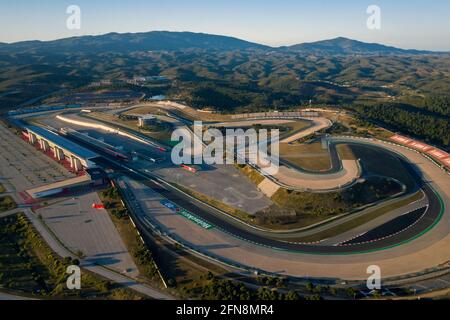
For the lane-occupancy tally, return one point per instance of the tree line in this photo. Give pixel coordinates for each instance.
(409, 121)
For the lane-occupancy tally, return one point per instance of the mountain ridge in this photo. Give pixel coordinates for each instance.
(342, 45)
(143, 41)
(175, 41)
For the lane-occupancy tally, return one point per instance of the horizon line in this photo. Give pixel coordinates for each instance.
(221, 35)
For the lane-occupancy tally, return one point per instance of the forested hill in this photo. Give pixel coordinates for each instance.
(342, 45)
(176, 41)
(131, 42)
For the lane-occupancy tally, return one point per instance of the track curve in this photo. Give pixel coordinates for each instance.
(427, 222)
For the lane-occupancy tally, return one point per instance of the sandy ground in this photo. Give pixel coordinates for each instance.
(268, 187)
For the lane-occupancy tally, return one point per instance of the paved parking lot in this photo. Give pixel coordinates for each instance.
(222, 182)
(25, 167)
(80, 227)
(72, 220)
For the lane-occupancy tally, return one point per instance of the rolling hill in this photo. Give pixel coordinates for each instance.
(130, 42)
(343, 45)
(180, 41)
(228, 74)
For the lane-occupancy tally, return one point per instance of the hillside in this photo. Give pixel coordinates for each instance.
(348, 46)
(235, 75)
(129, 42)
(180, 41)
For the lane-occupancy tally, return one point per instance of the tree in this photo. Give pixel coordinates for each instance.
(266, 294)
(332, 291)
(291, 295)
(310, 286)
(351, 292)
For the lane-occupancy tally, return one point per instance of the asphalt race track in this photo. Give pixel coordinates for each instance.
(401, 232)
(390, 228)
(243, 232)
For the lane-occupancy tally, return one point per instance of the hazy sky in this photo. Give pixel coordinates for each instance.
(419, 24)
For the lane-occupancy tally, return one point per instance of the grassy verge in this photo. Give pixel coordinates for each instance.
(285, 129)
(195, 278)
(184, 273)
(311, 156)
(331, 232)
(162, 131)
(293, 128)
(293, 210)
(187, 275)
(7, 203)
(28, 266)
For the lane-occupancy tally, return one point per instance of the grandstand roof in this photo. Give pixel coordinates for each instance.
(62, 142)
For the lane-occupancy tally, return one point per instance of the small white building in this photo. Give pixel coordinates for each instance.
(146, 120)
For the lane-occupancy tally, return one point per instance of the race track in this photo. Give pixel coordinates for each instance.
(417, 240)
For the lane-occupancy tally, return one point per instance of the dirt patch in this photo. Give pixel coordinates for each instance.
(251, 173)
(310, 156)
(268, 187)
